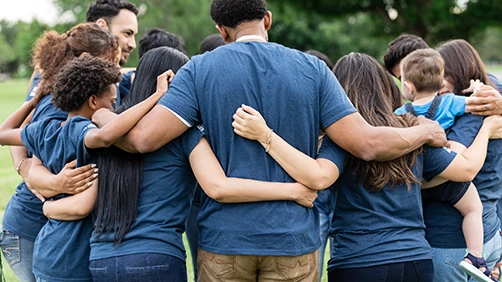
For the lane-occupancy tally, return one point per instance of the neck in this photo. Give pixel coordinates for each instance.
(83, 112)
(423, 98)
(251, 29)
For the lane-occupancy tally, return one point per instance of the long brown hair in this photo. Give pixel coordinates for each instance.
(52, 51)
(369, 88)
(462, 63)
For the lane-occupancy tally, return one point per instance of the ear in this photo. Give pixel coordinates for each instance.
(102, 23)
(92, 102)
(224, 33)
(267, 20)
(410, 86)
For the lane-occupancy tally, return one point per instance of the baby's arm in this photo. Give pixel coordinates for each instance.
(316, 174)
(221, 188)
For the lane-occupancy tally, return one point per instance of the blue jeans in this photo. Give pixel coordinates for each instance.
(138, 267)
(446, 260)
(18, 253)
(325, 223)
(412, 271)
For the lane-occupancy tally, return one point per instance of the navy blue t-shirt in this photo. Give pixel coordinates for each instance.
(297, 95)
(23, 215)
(32, 91)
(163, 205)
(375, 228)
(124, 87)
(61, 251)
(443, 221)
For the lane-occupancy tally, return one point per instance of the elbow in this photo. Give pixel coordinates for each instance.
(320, 183)
(366, 153)
(216, 191)
(145, 147)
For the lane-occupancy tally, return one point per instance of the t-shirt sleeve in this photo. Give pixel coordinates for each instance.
(33, 87)
(334, 103)
(181, 96)
(79, 129)
(465, 129)
(191, 138)
(457, 106)
(401, 110)
(496, 81)
(30, 135)
(332, 152)
(436, 160)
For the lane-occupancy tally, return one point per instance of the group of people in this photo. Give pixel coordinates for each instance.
(260, 152)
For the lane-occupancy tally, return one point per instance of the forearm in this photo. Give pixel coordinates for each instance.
(10, 134)
(123, 123)
(73, 207)
(315, 174)
(18, 154)
(42, 180)
(238, 190)
(475, 155)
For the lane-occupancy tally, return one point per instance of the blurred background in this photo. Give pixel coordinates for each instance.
(334, 27)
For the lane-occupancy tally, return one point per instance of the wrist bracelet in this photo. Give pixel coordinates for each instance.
(269, 138)
(19, 165)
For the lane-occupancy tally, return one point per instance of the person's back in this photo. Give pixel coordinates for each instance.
(286, 86)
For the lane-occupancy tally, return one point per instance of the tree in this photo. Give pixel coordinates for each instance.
(434, 20)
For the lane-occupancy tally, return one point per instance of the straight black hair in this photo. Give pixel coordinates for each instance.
(120, 173)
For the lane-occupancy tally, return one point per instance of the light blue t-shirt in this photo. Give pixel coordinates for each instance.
(163, 205)
(450, 107)
(61, 251)
(297, 95)
(23, 215)
(375, 228)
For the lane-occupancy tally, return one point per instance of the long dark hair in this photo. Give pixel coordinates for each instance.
(120, 173)
(461, 64)
(369, 88)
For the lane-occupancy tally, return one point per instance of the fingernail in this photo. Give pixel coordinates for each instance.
(96, 169)
(95, 175)
(89, 184)
(93, 165)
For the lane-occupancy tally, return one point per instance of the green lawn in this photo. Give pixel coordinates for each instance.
(12, 94)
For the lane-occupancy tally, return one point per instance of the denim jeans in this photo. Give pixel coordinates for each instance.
(18, 253)
(138, 267)
(247, 268)
(325, 222)
(412, 271)
(446, 261)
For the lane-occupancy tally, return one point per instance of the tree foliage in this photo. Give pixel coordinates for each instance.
(334, 27)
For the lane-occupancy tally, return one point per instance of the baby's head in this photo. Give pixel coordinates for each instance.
(422, 71)
(87, 81)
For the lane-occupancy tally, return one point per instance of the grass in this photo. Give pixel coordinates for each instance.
(12, 94)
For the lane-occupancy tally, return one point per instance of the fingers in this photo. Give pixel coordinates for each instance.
(249, 109)
(71, 164)
(242, 114)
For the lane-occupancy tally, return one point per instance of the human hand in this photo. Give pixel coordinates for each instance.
(496, 270)
(494, 125)
(475, 85)
(71, 180)
(437, 136)
(485, 101)
(163, 81)
(305, 196)
(249, 124)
